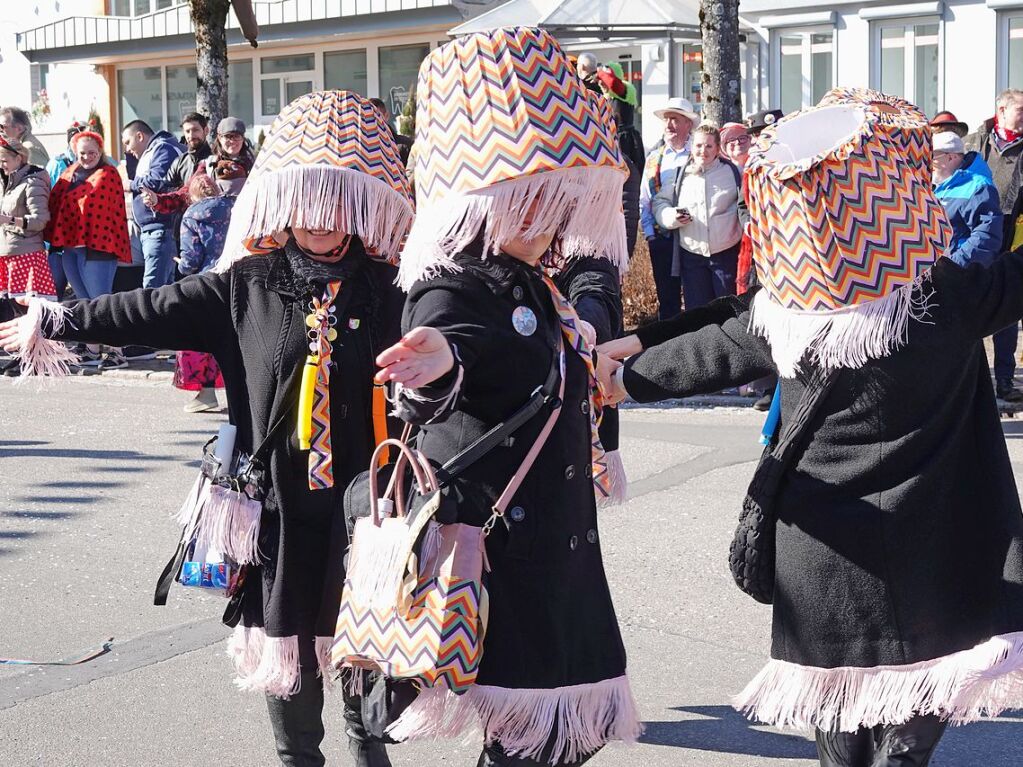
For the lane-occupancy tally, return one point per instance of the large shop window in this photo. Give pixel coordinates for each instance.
(399, 70)
(805, 66)
(910, 63)
(1014, 49)
(181, 99)
(345, 71)
(140, 96)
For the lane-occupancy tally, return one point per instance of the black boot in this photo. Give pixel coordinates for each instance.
(298, 724)
(910, 744)
(494, 756)
(366, 750)
(1007, 391)
(845, 749)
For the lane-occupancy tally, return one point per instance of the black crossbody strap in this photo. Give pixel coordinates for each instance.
(499, 433)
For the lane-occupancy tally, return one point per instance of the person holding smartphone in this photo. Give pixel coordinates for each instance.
(705, 211)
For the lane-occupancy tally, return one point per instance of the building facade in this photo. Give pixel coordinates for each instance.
(131, 59)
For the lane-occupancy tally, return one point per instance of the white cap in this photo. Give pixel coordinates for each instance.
(947, 142)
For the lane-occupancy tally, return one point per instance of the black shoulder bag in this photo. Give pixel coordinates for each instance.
(751, 556)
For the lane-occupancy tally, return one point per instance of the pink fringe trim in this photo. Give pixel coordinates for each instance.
(618, 479)
(961, 687)
(324, 668)
(265, 664)
(40, 356)
(229, 523)
(584, 716)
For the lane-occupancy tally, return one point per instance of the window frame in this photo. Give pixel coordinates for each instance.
(908, 24)
(1003, 41)
(806, 60)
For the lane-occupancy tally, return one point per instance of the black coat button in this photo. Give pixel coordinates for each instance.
(517, 513)
(569, 471)
(591, 536)
(584, 406)
(589, 470)
(517, 293)
(573, 542)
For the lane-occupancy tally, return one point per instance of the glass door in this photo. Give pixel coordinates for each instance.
(283, 79)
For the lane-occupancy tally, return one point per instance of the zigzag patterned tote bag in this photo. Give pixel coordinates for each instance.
(414, 605)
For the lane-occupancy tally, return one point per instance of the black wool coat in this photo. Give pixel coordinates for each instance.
(252, 320)
(552, 622)
(900, 537)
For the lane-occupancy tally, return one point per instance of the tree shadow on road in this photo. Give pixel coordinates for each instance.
(724, 730)
(32, 451)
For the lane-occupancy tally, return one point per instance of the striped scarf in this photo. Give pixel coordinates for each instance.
(577, 342)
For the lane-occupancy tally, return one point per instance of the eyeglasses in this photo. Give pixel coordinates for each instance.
(740, 141)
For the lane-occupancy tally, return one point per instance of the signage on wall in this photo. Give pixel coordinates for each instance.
(399, 96)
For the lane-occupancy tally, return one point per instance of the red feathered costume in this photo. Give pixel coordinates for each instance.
(90, 214)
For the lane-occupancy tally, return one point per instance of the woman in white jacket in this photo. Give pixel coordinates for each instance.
(704, 207)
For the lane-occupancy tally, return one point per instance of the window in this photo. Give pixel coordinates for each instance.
(181, 84)
(281, 64)
(39, 74)
(805, 67)
(140, 7)
(140, 96)
(345, 71)
(910, 63)
(399, 70)
(692, 74)
(1014, 48)
(239, 91)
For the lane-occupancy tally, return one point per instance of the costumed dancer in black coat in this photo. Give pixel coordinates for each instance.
(327, 201)
(898, 570)
(498, 181)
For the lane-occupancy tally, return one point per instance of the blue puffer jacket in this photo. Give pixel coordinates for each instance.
(971, 204)
(203, 232)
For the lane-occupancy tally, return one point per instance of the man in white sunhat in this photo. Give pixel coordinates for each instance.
(662, 164)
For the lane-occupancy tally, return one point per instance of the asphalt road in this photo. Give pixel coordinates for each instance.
(91, 470)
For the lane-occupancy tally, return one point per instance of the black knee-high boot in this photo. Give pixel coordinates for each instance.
(845, 749)
(909, 745)
(494, 756)
(891, 745)
(298, 724)
(367, 750)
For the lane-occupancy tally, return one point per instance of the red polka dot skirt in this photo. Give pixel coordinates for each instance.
(26, 275)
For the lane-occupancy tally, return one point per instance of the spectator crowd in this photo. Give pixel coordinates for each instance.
(65, 225)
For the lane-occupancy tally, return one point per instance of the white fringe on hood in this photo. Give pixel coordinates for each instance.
(317, 197)
(584, 205)
(843, 338)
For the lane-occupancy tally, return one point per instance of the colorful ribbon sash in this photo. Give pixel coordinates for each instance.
(314, 396)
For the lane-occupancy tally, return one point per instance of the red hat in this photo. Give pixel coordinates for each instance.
(949, 121)
(610, 82)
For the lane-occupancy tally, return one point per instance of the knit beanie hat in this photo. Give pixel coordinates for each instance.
(328, 162)
(503, 122)
(844, 225)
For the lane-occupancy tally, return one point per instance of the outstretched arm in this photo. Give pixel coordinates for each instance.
(191, 314)
(707, 360)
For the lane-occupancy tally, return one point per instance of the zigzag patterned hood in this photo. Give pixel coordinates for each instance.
(502, 122)
(844, 224)
(329, 162)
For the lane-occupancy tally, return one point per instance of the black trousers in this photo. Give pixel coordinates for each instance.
(903, 745)
(494, 756)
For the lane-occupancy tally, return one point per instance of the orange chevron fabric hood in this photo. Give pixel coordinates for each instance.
(328, 162)
(844, 224)
(503, 121)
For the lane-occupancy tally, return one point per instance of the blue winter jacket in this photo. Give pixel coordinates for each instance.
(972, 206)
(153, 172)
(203, 232)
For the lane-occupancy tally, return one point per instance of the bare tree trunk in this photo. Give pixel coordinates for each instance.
(719, 28)
(209, 17)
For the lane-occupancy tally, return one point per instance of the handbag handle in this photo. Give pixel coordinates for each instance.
(427, 482)
(404, 454)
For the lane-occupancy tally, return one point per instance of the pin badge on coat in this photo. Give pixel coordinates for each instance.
(524, 321)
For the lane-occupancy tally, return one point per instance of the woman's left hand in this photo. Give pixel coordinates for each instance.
(9, 340)
(420, 357)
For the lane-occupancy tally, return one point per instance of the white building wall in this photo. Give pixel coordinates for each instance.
(971, 58)
(72, 88)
